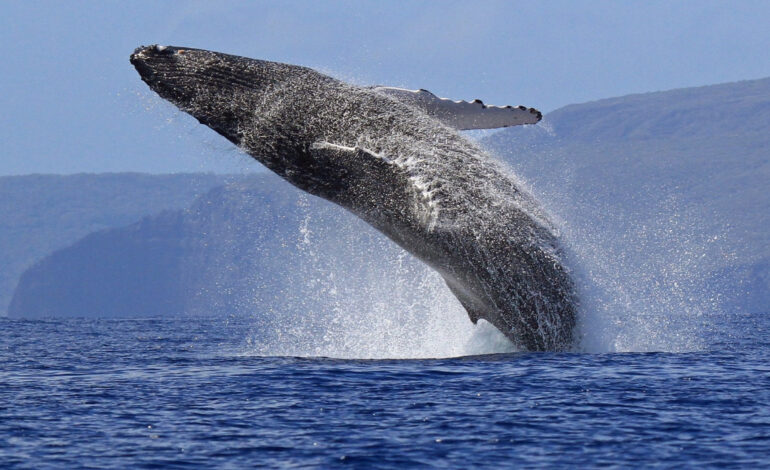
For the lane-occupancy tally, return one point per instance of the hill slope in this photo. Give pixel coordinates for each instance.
(43, 213)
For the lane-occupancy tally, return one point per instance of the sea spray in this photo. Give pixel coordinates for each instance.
(640, 279)
(365, 299)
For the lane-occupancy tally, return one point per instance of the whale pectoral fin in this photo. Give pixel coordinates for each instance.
(473, 307)
(464, 115)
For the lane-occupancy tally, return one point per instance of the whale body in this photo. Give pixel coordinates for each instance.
(399, 168)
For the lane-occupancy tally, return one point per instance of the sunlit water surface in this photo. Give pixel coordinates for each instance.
(193, 393)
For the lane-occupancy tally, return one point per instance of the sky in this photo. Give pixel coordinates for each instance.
(70, 101)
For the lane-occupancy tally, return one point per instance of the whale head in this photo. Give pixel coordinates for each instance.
(235, 96)
(188, 78)
(277, 113)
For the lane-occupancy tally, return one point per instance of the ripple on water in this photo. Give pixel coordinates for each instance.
(183, 393)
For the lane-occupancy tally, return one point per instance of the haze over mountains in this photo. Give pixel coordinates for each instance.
(238, 248)
(660, 192)
(44, 213)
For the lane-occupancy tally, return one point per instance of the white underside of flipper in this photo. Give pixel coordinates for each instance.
(464, 115)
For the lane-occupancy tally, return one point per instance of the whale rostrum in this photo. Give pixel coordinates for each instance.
(396, 160)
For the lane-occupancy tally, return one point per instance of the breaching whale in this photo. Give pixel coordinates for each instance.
(394, 158)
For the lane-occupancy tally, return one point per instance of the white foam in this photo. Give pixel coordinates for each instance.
(387, 306)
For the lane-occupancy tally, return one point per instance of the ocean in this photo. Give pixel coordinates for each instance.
(196, 393)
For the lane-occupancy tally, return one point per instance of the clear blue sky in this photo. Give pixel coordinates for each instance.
(71, 102)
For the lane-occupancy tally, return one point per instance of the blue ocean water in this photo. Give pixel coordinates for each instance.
(186, 393)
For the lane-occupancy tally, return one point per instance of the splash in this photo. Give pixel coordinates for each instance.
(390, 306)
(637, 287)
(640, 291)
(365, 298)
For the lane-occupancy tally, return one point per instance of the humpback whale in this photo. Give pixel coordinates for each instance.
(395, 159)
